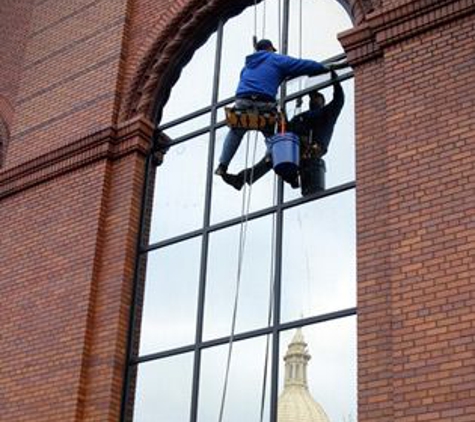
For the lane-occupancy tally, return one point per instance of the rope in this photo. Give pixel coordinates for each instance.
(279, 25)
(255, 19)
(264, 14)
(298, 101)
(245, 205)
(271, 305)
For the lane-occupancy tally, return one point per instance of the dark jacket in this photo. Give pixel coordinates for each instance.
(264, 72)
(319, 124)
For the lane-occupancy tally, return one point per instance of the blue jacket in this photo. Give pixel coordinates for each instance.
(264, 72)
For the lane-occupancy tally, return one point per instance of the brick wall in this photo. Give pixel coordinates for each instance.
(70, 72)
(415, 176)
(431, 208)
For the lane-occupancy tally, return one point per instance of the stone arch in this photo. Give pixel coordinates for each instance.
(172, 50)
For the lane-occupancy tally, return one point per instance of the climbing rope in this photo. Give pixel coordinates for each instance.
(255, 19)
(245, 206)
(299, 101)
(264, 14)
(271, 303)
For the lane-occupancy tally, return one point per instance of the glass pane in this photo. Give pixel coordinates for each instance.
(227, 201)
(222, 279)
(237, 46)
(245, 382)
(313, 30)
(163, 390)
(189, 126)
(319, 257)
(171, 290)
(340, 159)
(178, 203)
(330, 374)
(187, 95)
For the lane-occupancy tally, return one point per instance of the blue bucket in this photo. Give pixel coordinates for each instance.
(285, 152)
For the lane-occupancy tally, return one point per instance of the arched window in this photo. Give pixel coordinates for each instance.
(298, 253)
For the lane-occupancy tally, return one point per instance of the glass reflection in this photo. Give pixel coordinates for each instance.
(169, 309)
(313, 31)
(187, 95)
(226, 200)
(163, 391)
(178, 203)
(319, 257)
(245, 382)
(319, 374)
(340, 159)
(222, 277)
(189, 126)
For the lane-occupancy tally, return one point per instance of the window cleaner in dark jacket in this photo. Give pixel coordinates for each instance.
(314, 126)
(260, 78)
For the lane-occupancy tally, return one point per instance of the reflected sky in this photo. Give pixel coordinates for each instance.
(255, 279)
(319, 257)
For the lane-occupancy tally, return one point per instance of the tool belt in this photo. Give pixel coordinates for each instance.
(252, 115)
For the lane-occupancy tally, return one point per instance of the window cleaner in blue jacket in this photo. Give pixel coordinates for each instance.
(260, 78)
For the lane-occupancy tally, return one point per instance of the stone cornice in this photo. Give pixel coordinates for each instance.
(112, 143)
(388, 26)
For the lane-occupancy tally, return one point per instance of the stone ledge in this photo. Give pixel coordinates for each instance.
(389, 26)
(112, 143)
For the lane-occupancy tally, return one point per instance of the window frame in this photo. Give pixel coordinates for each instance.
(144, 247)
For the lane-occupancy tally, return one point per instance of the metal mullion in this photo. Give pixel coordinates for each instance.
(252, 216)
(186, 117)
(195, 114)
(229, 100)
(278, 247)
(322, 85)
(196, 133)
(206, 222)
(190, 135)
(221, 123)
(331, 316)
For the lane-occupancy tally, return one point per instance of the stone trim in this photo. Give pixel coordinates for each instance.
(389, 26)
(112, 143)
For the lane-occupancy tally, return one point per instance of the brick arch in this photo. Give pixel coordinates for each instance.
(6, 119)
(172, 50)
(4, 137)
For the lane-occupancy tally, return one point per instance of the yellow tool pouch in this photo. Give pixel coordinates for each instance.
(251, 119)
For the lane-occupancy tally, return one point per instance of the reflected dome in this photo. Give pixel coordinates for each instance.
(295, 402)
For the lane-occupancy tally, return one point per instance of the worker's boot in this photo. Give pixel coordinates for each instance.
(235, 180)
(260, 169)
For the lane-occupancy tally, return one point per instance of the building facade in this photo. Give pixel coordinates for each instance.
(82, 84)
